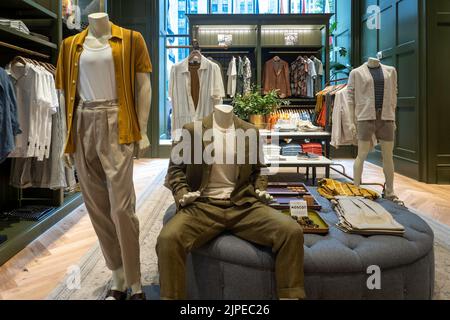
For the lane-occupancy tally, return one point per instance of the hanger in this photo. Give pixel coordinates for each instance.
(276, 59)
(195, 56)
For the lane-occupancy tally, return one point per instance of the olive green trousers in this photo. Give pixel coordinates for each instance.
(205, 219)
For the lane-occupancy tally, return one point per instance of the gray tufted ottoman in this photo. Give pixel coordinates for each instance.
(335, 265)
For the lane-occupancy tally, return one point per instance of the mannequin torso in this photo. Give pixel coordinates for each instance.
(99, 34)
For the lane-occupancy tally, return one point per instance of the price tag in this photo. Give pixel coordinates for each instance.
(299, 208)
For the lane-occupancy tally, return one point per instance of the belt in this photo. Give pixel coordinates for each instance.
(225, 203)
(97, 103)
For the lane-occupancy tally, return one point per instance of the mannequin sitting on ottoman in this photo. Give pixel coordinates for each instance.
(217, 196)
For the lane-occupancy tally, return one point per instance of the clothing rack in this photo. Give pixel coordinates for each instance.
(229, 52)
(336, 80)
(23, 50)
(294, 52)
(202, 47)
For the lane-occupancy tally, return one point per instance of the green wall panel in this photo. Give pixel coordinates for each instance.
(407, 21)
(438, 93)
(387, 39)
(398, 40)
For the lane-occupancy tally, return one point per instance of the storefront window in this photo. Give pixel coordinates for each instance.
(312, 6)
(177, 29)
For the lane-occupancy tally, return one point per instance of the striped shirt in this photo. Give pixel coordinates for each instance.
(378, 79)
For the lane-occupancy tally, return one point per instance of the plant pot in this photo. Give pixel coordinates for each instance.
(258, 120)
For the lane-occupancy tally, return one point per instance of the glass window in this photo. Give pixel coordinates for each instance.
(312, 6)
(267, 6)
(198, 6)
(221, 6)
(243, 6)
(177, 28)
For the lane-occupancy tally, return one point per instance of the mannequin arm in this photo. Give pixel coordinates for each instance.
(143, 103)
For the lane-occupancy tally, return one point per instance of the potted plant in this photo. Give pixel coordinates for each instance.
(255, 108)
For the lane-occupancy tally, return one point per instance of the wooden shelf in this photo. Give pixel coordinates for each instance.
(13, 36)
(25, 9)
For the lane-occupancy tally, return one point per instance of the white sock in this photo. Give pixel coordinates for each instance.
(136, 288)
(118, 280)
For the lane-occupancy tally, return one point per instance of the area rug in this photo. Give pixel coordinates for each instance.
(94, 278)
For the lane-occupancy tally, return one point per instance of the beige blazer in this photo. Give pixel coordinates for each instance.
(361, 94)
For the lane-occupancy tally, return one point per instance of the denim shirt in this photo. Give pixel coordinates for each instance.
(9, 125)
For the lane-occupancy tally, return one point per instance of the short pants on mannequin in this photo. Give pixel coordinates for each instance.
(105, 170)
(382, 129)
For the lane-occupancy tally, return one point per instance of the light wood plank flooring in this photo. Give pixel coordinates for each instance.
(37, 270)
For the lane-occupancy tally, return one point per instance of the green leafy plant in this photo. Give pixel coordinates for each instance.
(253, 103)
(337, 68)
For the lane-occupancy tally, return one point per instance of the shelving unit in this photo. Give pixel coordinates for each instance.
(263, 36)
(13, 36)
(20, 9)
(42, 17)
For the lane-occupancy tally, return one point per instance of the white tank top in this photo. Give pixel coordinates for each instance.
(97, 78)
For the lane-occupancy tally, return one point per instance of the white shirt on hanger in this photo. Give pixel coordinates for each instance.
(47, 107)
(341, 134)
(311, 76)
(211, 92)
(232, 78)
(25, 86)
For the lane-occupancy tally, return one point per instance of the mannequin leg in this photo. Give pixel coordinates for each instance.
(118, 280)
(387, 149)
(363, 152)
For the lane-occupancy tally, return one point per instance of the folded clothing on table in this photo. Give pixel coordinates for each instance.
(359, 215)
(271, 150)
(329, 188)
(290, 149)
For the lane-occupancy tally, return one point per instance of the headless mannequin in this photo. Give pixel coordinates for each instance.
(387, 149)
(223, 116)
(98, 36)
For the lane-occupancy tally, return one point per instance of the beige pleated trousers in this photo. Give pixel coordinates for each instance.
(105, 172)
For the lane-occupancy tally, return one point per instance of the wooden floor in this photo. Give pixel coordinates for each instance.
(37, 270)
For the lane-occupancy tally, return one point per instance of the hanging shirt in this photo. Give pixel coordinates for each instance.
(97, 77)
(276, 77)
(25, 82)
(247, 75)
(232, 78)
(310, 78)
(211, 91)
(319, 70)
(240, 77)
(299, 72)
(341, 134)
(9, 124)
